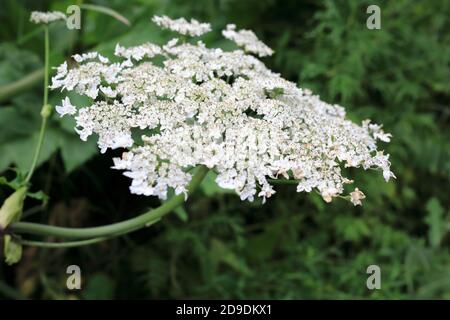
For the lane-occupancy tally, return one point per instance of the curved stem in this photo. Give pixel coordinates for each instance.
(68, 244)
(37, 150)
(78, 243)
(9, 90)
(112, 229)
(45, 112)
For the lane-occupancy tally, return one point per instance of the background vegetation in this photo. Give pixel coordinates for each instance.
(293, 247)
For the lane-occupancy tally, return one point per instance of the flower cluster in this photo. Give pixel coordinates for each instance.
(191, 28)
(247, 40)
(221, 109)
(46, 17)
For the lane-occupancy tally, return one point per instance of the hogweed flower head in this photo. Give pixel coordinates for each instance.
(46, 17)
(221, 109)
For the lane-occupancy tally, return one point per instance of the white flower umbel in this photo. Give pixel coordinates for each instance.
(46, 17)
(224, 110)
(191, 28)
(247, 40)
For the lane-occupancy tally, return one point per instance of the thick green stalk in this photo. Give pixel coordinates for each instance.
(77, 243)
(45, 111)
(57, 245)
(112, 229)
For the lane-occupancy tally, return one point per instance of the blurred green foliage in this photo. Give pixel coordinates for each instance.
(293, 247)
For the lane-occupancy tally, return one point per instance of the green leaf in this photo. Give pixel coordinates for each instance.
(75, 152)
(12, 207)
(221, 253)
(17, 182)
(17, 148)
(38, 195)
(5, 182)
(352, 228)
(15, 63)
(262, 246)
(12, 251)
(99, 287)
(18, 141)
(435, 221)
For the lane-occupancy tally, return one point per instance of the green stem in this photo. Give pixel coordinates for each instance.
(78, 243)
(112, 229)
(45, 111)
(38, 149)
(47, 63)
(68, 244)
(10, 90)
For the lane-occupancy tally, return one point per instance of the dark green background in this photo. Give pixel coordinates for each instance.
(293, 247)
